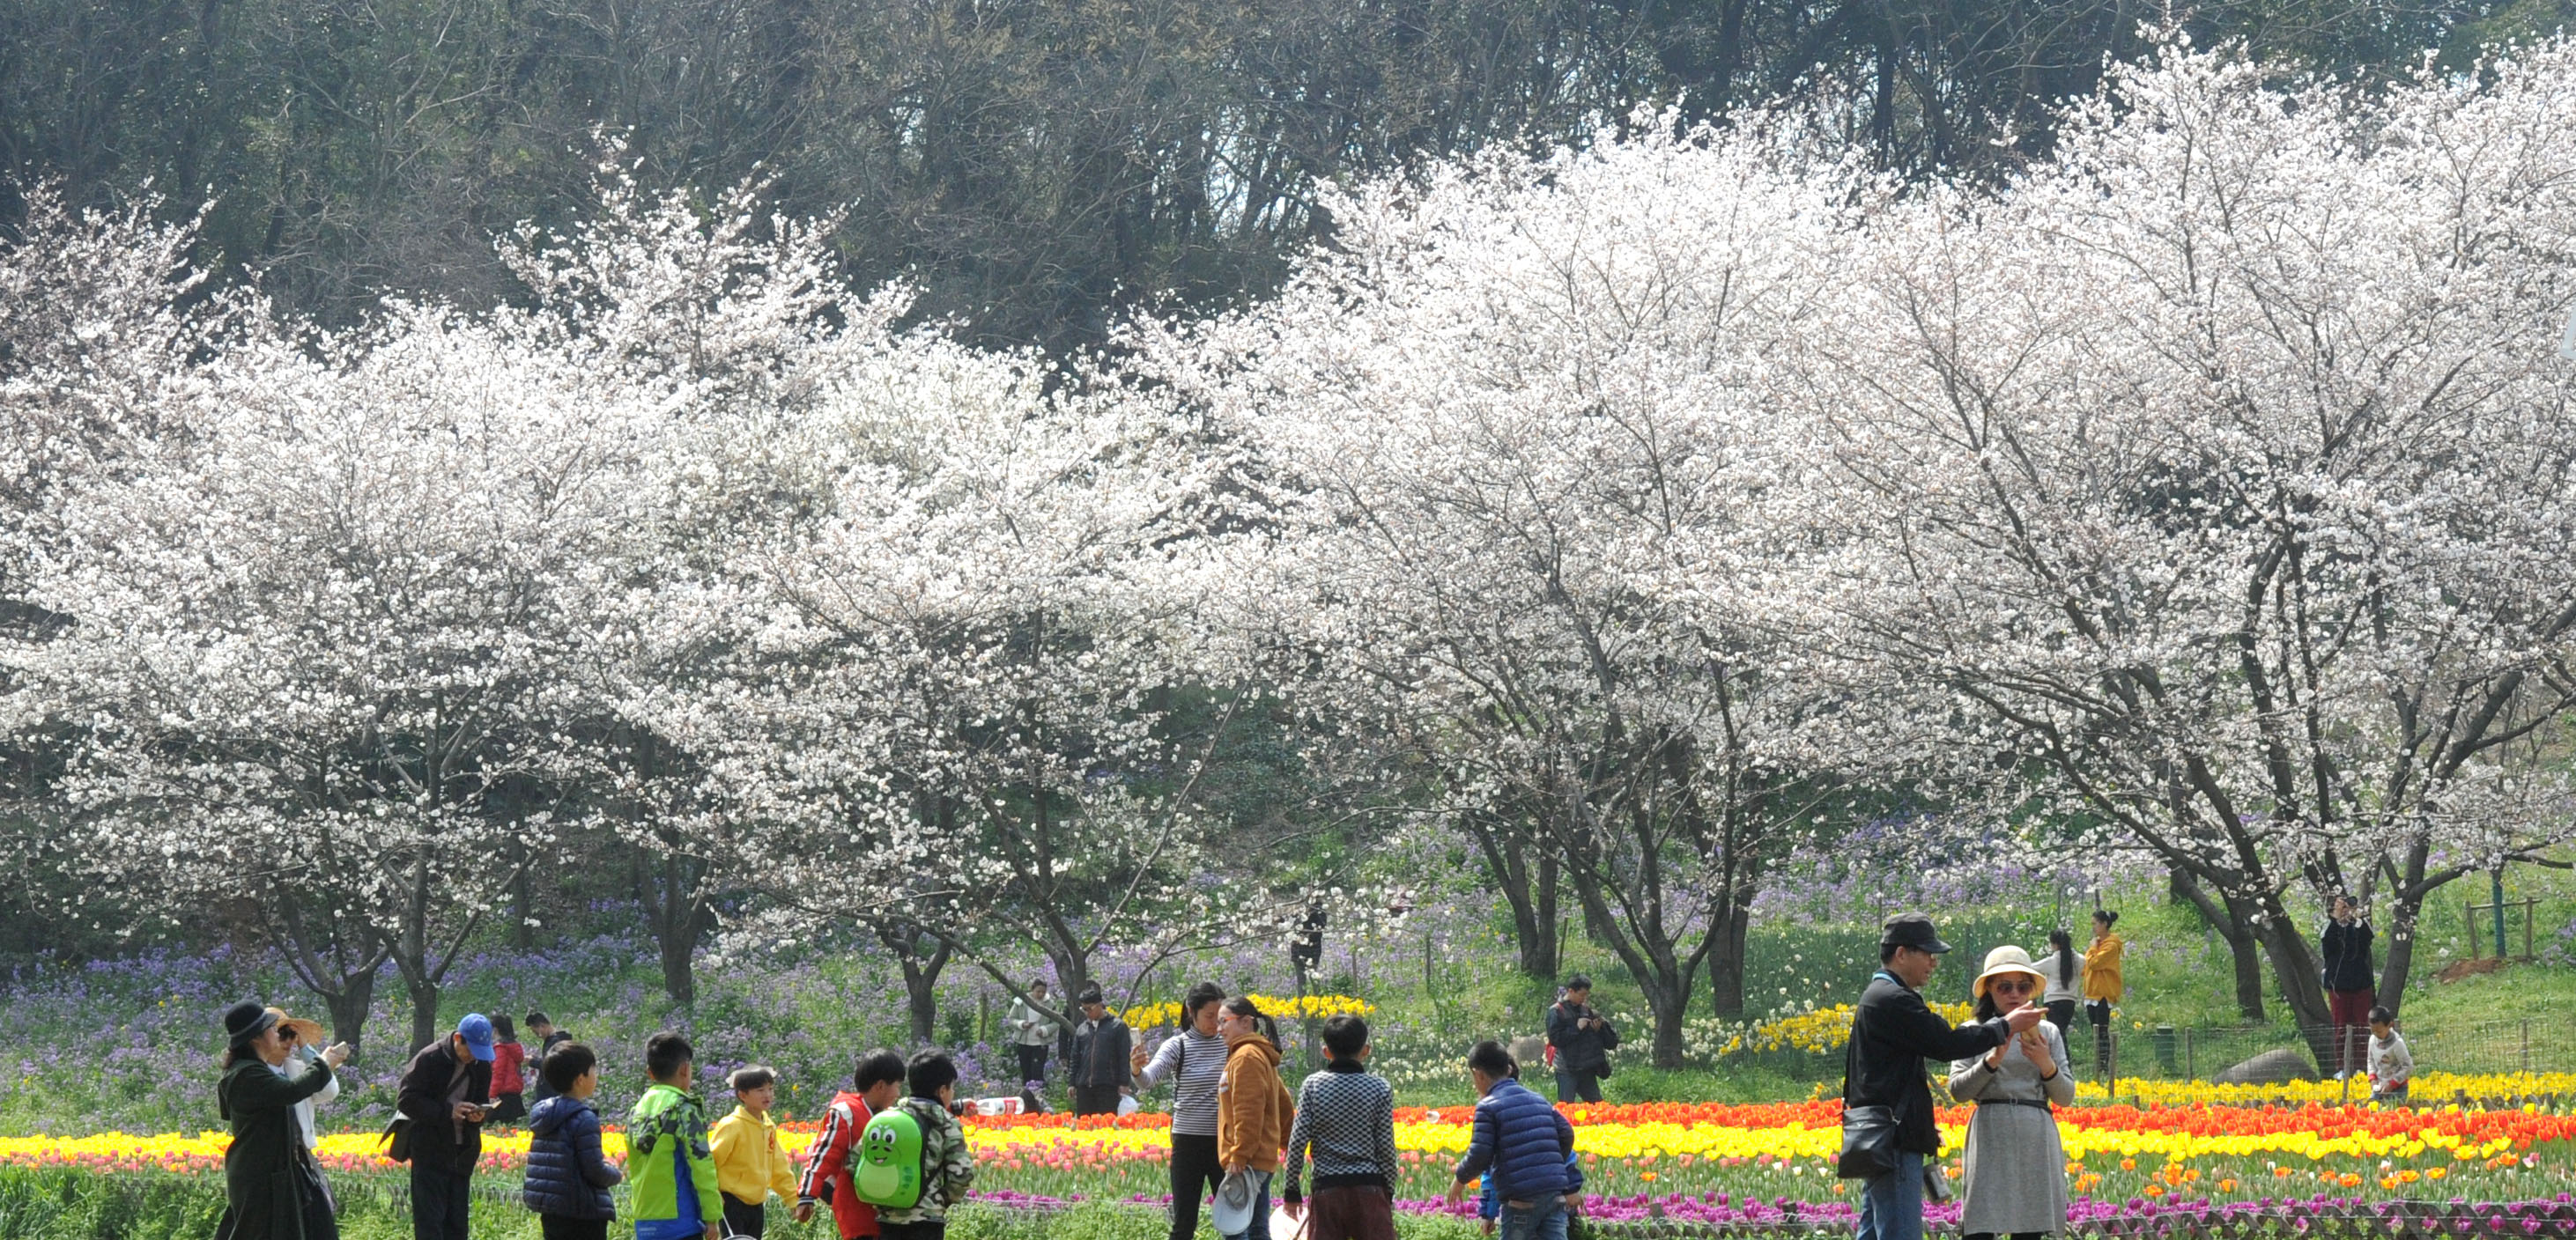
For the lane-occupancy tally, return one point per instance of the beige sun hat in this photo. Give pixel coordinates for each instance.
(307, 1032)
(2007, 959)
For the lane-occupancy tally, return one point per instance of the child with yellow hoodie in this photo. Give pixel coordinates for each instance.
(750, 1162)
(1253, 1108)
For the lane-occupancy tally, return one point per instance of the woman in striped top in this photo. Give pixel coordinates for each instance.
(1194, 1062)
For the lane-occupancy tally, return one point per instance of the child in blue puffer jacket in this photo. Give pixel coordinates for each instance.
(568, 1177)
(1490, 1209)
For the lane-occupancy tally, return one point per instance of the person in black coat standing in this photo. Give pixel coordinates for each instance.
(273, 1189)
(1893, 1032)
(443, 1092)
(2351, 991)
(1100, 1067)
(1583, 1042)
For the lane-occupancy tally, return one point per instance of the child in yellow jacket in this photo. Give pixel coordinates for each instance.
(750, 1162)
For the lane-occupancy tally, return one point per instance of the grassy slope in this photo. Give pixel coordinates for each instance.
(808, 1020)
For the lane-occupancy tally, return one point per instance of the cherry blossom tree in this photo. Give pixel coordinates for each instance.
(973, 634)
(104, 327)
(303, 645)
(1515, 438)
(2221, 469)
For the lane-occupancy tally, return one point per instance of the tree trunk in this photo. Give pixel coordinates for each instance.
(424, 1012)
(2404, 916)
(1529, 890)
(1668, 1005)
(1540, 954)
(2294, 965)
(679, 968)
(1730, 928)
(2232, 925)
(673, 891)
(348, 1006)
(522, 901)
(920, 976)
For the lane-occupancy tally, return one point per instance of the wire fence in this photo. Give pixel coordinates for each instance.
(2521, 1056)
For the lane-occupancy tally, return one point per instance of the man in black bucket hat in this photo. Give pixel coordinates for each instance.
(1893, 1032)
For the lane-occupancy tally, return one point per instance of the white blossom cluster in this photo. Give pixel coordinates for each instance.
(1654, 508)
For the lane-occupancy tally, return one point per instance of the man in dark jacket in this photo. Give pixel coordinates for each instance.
(1521, 1142)
(1101, 1046)
(542, 1028)
(568, 1177)
(2351, 991)
(1583, 1042)
(442, 1092)
(1893, 1032)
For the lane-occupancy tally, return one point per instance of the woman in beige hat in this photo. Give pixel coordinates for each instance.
(303, 1050)
(2016, 1184)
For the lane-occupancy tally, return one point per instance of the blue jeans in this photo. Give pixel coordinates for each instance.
(1577, 1086)
(1259, 1229)
(1544, 1220)
(1891, 1205)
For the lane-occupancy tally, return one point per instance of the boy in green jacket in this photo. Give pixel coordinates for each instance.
(931, 1079)
(669, 1167)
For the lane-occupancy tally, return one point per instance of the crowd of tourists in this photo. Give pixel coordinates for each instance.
(891, 1158)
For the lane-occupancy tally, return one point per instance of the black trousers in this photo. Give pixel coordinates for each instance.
(558, 1227)
(2061, 1013)
(2098, 1012)
(438, 1201)
(742, 1218)
(1195, 1173)
(927, 1229)
(1032, 1062)
(2017, 1235)
(1095, 1100)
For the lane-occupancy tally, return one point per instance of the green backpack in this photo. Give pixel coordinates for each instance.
(889, 1173)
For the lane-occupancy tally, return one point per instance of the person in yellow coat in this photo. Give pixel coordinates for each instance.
(2102, 986)
(750, 1162)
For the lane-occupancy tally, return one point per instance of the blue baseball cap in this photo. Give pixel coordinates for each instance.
(476, 1029)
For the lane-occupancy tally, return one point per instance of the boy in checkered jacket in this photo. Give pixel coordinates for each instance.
(1346, 1115)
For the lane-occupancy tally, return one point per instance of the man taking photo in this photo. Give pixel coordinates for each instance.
(1893, 1032)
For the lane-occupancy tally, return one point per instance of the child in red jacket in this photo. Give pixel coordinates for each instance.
(876, 1085)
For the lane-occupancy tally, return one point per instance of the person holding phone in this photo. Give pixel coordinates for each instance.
(2016, 1163)
(441, 1093)
(273, 1189)
(1583, 1042)
(1893, 1032)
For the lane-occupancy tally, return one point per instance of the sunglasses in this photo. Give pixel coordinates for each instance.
(2012, 985)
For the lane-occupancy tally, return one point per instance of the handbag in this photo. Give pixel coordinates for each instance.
(398, 1139)
(1869, 1143)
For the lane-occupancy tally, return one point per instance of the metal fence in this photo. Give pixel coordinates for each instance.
(2525, 1048)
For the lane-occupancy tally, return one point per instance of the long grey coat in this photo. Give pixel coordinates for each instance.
(2015, 1163)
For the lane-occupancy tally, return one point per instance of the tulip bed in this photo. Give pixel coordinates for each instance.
(1710, 1168)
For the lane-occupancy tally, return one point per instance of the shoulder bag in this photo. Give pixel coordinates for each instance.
(1869, 1143)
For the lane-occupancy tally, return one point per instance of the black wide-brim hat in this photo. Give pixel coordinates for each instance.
(246, 1020)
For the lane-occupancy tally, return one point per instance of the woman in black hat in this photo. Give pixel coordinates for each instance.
(273, 1189)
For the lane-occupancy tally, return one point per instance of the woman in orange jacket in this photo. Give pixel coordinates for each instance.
(1253, 1108)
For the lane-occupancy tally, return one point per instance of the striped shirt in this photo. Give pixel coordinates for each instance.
(1194, 1094)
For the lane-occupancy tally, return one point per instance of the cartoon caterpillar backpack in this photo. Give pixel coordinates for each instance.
(889, 1174)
